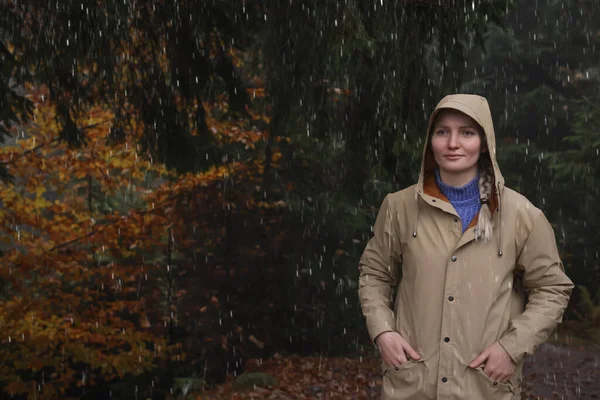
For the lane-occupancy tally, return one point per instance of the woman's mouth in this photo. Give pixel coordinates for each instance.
(452, 157)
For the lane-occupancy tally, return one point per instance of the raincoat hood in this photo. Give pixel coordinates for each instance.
(475, 107)
(478, 109)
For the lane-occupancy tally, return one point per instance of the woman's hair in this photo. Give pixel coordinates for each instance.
(485, 225)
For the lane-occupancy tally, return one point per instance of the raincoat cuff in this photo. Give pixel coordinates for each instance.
(377, 335)
(510, 347)
(379, 319)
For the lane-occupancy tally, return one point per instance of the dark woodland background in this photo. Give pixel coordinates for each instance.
(188, 185)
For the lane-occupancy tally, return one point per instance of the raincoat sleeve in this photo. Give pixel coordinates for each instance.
(548, 289)
(379, 275)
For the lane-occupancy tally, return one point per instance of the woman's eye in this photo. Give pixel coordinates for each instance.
(440, 132)
(468, 133)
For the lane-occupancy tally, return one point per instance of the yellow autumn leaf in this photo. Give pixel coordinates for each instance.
(41, 202)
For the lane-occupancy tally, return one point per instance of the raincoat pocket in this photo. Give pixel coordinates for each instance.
(492, 388)
(407, 365)
(404, 381)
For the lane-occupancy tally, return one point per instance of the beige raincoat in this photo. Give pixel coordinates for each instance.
(451, 295)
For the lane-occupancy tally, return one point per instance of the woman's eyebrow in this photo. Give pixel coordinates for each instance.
(460, 127)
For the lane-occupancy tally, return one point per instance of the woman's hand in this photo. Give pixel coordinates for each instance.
(394, 349)
(498, 364)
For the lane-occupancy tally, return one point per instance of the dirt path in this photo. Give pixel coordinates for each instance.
(553, 372)
(559, 372)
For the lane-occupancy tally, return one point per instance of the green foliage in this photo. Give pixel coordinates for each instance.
(586, 324)
(589, 307)
(580, 160)
(540, 75)
(372, 53)
(249, 380)
(185, 386)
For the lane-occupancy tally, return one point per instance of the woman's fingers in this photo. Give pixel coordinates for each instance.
(401, 357)
(396, 362)
(395, 357)
(411, 352)
(395, 350)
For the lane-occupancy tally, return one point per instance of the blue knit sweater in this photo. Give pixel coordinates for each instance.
(464, 199)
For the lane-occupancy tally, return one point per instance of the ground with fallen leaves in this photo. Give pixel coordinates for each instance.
(553, 372)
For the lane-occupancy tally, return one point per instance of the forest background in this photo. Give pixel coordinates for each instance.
(188, 185)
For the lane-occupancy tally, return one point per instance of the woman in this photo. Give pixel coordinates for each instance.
(456, 254)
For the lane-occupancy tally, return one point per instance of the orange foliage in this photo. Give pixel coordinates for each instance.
(83, 274)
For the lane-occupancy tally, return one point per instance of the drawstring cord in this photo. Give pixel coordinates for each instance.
(417, 216)
(500, 207)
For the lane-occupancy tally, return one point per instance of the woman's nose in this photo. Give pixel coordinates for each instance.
(453, 140)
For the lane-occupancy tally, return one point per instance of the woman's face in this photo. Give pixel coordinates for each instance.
(456, 144)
